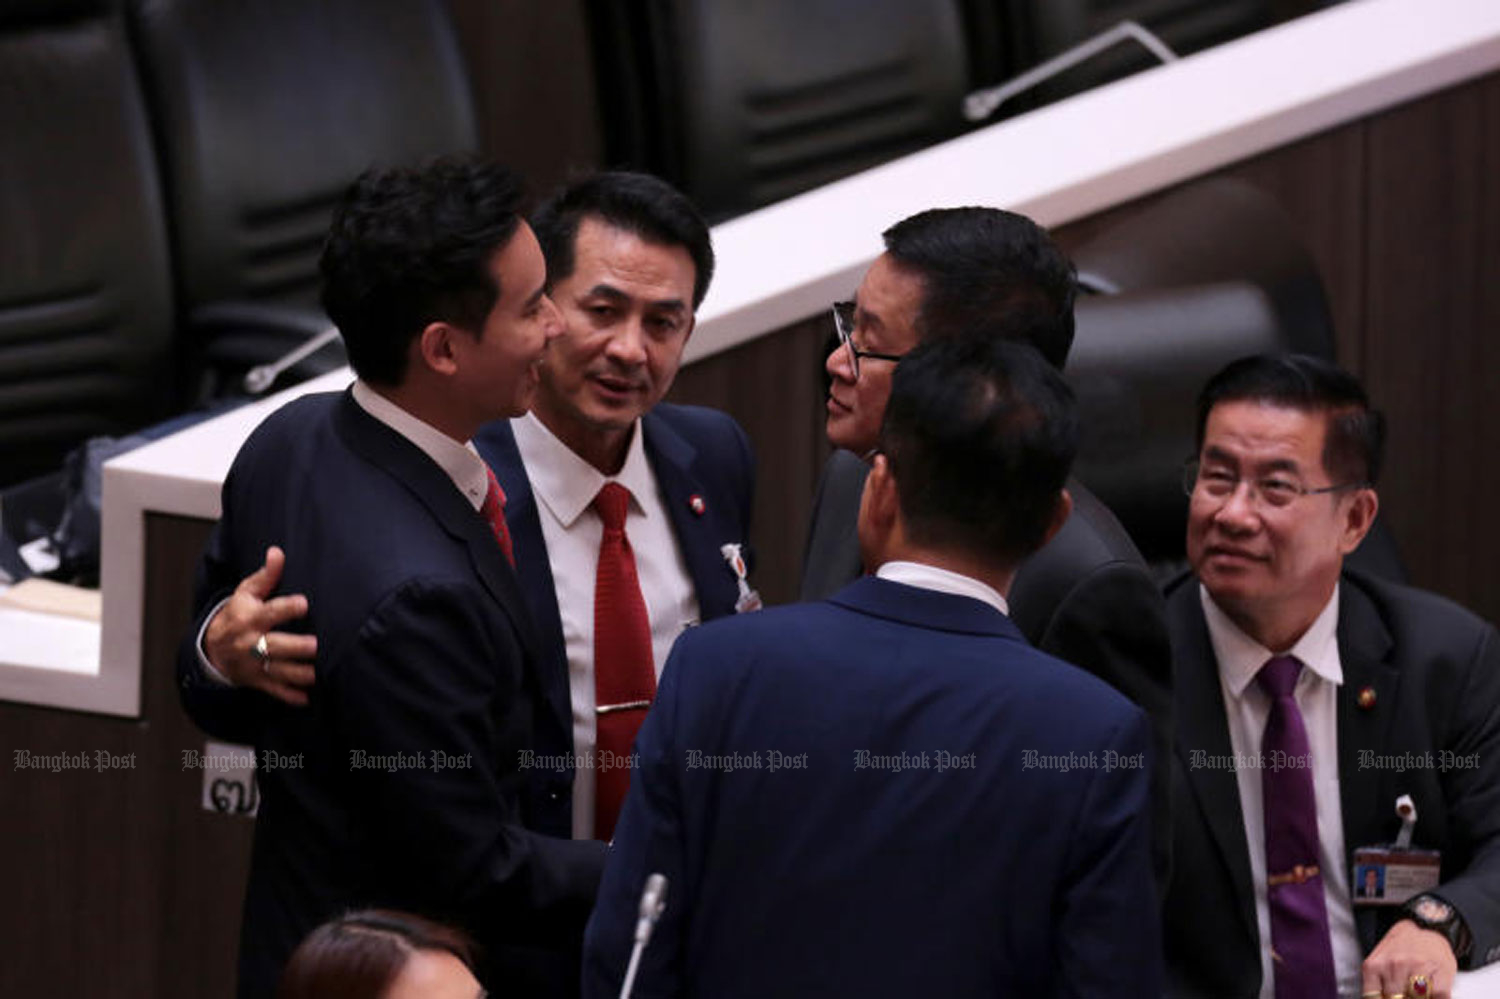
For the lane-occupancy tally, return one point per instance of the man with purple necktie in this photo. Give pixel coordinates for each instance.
(1310, 701)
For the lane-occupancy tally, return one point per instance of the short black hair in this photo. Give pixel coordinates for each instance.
(412, 246)
(980, 433)
(1354, 448)
(985, 267)
(637, 203)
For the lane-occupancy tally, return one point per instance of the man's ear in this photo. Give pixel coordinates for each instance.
(1060, 514)
(1358, 518)
(435, 348)
(879, 512)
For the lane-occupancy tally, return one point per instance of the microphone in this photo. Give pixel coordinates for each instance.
(653, 903)
(259, 378)
(982, 103)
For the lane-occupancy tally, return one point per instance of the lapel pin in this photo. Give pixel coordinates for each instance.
(749, 600)
(1367, 698)
(696, 504)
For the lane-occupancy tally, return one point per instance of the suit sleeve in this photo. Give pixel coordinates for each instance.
(1109, 940)
(1113, 623)
(224, 712)
(434, 680)
(1473, 794)
(648, 840)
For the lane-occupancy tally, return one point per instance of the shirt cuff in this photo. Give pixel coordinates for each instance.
(204, 665)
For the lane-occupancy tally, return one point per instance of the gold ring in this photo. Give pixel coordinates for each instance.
(1395, 995)
(1418, 985)
(1371, 995)
(262, 655)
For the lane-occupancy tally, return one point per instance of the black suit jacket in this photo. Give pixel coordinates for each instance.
(1435, 671)
(1086, 597)
(985, 872)
(404, 787)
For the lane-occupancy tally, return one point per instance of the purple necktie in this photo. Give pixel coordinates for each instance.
(1301, 954)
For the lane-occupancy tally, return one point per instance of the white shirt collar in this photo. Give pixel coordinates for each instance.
(1241, 657)
(565, 482)
(930, 577)
(460, 462)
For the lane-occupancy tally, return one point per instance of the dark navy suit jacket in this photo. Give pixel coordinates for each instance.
(694, 452)
(889, 793)
(401, 784)
(1085, 597)
(1434, 669)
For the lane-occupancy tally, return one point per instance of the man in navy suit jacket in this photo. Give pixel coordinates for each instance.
(629, 259)
(890, 793)
(399, 785)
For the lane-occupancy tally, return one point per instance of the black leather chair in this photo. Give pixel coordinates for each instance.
(263, 113)
(743, 104)
(1137, 364)
(85, 294)
(1218, 229)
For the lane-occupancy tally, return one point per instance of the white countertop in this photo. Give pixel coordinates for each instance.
(787, 262)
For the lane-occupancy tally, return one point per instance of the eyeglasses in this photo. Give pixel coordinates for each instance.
(1269, 491)
(843, 321)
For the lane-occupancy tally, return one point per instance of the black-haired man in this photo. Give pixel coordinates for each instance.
(872, 795)
(1310, 700)
(400, 785)
(629, 260)
(1086, 596)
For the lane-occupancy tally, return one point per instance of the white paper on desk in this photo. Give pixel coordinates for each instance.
(48, 641)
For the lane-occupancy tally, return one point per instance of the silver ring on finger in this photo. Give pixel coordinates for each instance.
(262, 655)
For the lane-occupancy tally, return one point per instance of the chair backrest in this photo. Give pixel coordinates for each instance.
(264, 112)
(743, 104)
(85, 294)
(1138, 362)
(1218, 229)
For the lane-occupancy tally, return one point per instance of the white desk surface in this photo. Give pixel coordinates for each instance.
(788, 261)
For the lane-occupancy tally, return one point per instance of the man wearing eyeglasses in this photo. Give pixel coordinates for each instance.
(1309, 701)
(1084, 597)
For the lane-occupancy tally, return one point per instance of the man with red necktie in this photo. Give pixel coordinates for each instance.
(1295, 679)
(629, 259)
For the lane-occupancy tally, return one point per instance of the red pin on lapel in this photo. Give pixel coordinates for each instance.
(696, 504)
(1367, 698)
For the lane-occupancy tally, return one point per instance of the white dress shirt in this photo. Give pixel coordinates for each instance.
(1247, 706)
(565, 486)
(460, 462)
(930, 577)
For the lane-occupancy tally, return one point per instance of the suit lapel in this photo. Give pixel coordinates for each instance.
(497, 445)
(1202, 726)
(1364, 645)
(699, 535)
(404, 461)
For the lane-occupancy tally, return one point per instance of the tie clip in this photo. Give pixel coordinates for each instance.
(607, 709)
(1297, 875)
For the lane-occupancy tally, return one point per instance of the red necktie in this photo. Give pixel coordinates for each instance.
(494, 512)
(624, 674)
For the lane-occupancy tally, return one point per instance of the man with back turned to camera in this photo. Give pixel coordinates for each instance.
(1327, 722)
(871, 795)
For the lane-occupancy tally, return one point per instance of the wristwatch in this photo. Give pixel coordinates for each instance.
(1432, 913)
